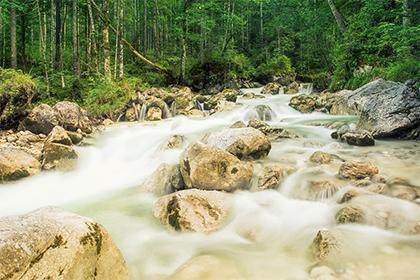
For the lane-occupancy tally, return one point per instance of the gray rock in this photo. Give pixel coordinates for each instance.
(41, 120)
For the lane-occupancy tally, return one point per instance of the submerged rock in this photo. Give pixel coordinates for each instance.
(293, 88)
(271, 88)
(165, 180)
(264, 112)
(272, 175)
(16, 164)
(209, 168)
(273, 133)
(193, 210)
(350, 214)
(154, 114)
(320, 157)
(324, 246)
(245, 143)
(207, 267)
(41, 120)
(175, 142)
(357, 170)
(52, 244)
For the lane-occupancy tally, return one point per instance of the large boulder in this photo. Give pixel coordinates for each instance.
(165, 180)
(41, 120)
(386, 109)
(72, 117)
(52, 244)
(245, 143)
(16, 164)
(209, 168)
(58, 156)
(193, 210)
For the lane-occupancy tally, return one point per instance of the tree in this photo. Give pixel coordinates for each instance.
(13, 50)
(337, 16)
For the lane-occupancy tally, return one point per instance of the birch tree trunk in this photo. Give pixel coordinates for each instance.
(52, 29)
(76, 68)
(105, 42)
(43, 47)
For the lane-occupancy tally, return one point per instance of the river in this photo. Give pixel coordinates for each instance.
(282, 223)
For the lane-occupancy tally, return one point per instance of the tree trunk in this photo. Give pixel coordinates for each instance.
(261, 23)
(76, 68)
(52, 29)
(92, 37)
(337, 16)
(105, 42)
(145, 25)
(120, 44)
(58, 29)
(1, 38)
(13, 51)
(43, 48)
(22, 35)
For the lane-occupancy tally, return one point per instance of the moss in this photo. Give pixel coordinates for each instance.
(173, 209)
(94, 237)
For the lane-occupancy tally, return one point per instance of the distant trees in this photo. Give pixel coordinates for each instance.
(64, 42)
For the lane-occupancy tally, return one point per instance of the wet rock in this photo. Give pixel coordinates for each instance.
(271, 88)
(207, 267)
(71, 117)
(350, 214)
(293, 88)
(273, 175)
(321, 189)
(273, 133)
(58, 156)
(165, 180)
(322, 273)
(304, 103)
(154, 114)
(320, 157)
(264, 112)
(107, 122)
(245, 143)
(76, 137)
(16, 164)
(209, 168)
(348, 196)
(41, 120)
(402, 189)
(193, 210)
(223, 106)
(357, 170)
(175, 142)
(52, 244)
(324, 246)
(59, 135)
(238, 124)
(353, 136)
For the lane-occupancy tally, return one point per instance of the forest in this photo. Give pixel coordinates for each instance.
(100, 51)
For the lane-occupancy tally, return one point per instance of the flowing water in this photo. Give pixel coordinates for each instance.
(268, 233)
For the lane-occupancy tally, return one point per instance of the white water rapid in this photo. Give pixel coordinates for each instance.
(269, 231)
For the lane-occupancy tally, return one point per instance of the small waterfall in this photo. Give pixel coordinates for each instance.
(166, 112)
(264, 112)
(306, 88)
(173, 109)
(281, 90)
(143, 112)
(199, 105)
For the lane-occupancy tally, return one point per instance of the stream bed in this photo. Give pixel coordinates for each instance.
(268, 233)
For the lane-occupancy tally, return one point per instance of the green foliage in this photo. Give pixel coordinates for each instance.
(105, 97)
(278, 66)
(402, 71)
(14, 82)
